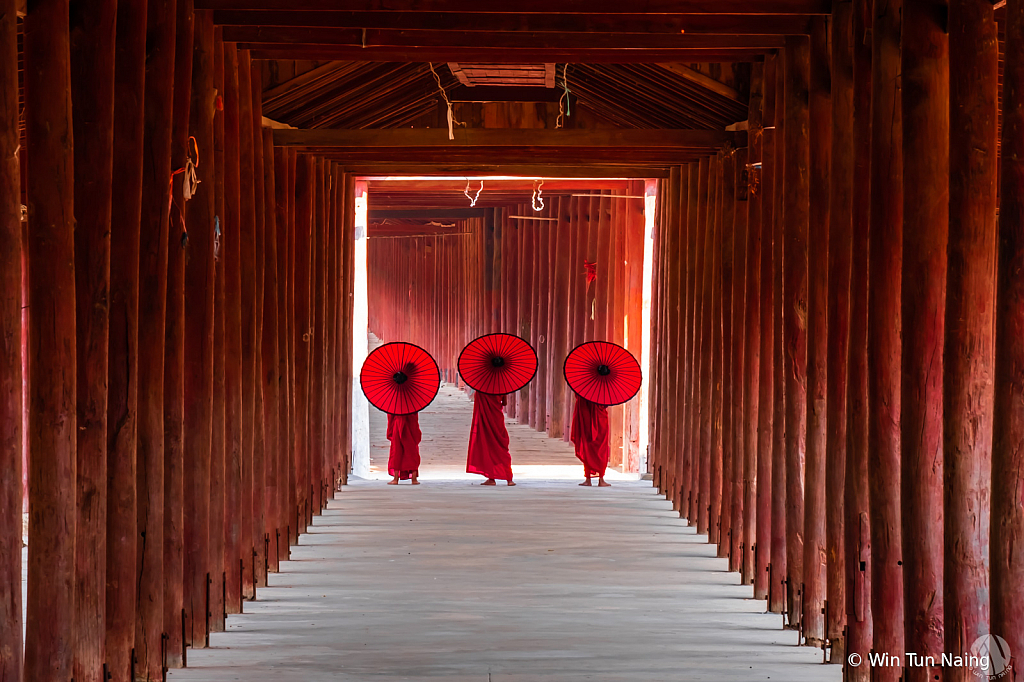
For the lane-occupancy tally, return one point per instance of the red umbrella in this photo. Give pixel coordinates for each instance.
(602, 373)
(399, 378)
(497, 363)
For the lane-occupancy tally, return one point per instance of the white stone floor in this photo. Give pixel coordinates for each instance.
(543, 582)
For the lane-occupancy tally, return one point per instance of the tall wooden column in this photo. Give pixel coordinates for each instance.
(820, 128)
(732, 495)
(1008, 423)
(672, 303)
(722, 409)
(275, 473)
(560, 283)
(925, 106)
(766, 344)
(283, 195)
(970, 344)
(11, 407)
(317, 306)
(92, 98)
(692, 428)
(700, 479)
(857, 522)
(304, 178)
(840, 242)
(777, 591)
(884, 334)
(794, 265)
(156, 172)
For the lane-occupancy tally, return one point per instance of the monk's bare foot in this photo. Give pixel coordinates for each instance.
(489, 481)
(393, 481)
(415, 480)
(601, 483)
(586, 482)
(511, 483)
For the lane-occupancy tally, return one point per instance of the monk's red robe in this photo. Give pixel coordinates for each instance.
(488, 439)
(590, 435)
(404, 434)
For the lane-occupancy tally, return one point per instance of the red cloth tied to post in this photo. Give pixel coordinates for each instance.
(488, 439)
(590, 435)
(404, 434)
(591, 271)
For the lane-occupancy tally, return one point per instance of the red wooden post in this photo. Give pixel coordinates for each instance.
(925, 106)
(560, 284)
(817, 248)
(52, 427)
(218, 482)
(247, 235)
(270, 349)
(701, 473)
(318, 305)
(794, 266)
(732, 489)
(970, 306)
(616, 330)
(543, 315)
(527, 286)
(1008, 422)
(884, 334)
(671, 407)
(857, 522)
(574, 312)
(778, 572)
(840, 233)
(591, 209)
(284, 193)
(721, 454)
(92, 97)
(199, 330)
(152, 307)
(174, 348)
(11, 407)
(745, 538)
(122, 378)
(232, 238)
(697, 209)
(766, 368)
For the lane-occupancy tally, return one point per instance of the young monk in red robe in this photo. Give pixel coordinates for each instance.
(404, 459)
(589, 433)
(488, 440)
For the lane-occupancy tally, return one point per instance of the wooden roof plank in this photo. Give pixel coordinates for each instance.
(534, 6)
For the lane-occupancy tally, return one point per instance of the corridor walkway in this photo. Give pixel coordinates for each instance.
(543, 582)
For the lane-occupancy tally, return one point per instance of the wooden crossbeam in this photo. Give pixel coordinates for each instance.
(366, 38)
(319, 52)
(437, 139)
(579, 170)
(672, 24)
(497, 93)
(439, 213)
(518, 7)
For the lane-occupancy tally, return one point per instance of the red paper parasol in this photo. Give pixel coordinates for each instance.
(602, 373)
(497, 364)
(399, 378)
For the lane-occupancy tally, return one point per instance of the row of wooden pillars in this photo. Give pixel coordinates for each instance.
(524, 272)
(838, 398)
(189, 338)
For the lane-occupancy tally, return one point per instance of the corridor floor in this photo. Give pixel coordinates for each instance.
(545, 581)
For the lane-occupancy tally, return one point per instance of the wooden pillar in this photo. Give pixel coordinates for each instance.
(158, 98)
(559, 340)
(721, 454)
(174, 350)
(11, 406)
(527, 285)
(763, 551)
(247, 224)
(970, 344)
(884, 334)
(778, 591)
(672, 405)
(840, 242)
(123, 350)
(925, 106)
(857, 522)
(304, 196)
(794, 266)
(276, 474)
(232, 238)
(199, 294)
(1008, 422)
(317, 337)
(616, 329)
(733, 480)
(700, 480)
(284, 193)
(814, 537)
(745, 538)
(691, 429)
(52, 425)
(573, 267)
(92, 98)
(218, 482)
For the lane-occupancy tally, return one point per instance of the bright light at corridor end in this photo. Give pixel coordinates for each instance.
(360, 343)
(650, 206)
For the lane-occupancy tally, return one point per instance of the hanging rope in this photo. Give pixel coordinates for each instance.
(452, 122)
(564, 107)
(591, 271)
(537, 191)
(189, 182)
(216, 238)
(472, 200)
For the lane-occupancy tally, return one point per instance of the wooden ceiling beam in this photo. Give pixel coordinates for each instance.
(533, 6)
(519, 139)
(318, 52)
(499, 93)
(647, 24)
(425, 213)
(398, 186)
(533, 170)
(368, 38)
